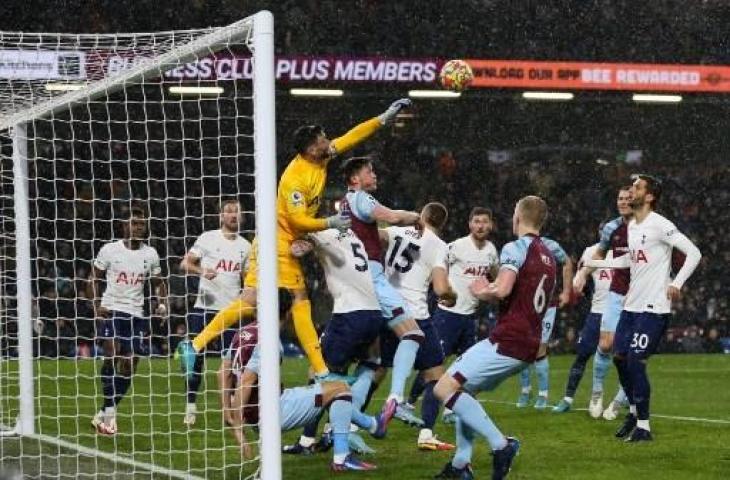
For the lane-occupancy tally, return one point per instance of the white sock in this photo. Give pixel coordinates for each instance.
(425, 434)
(542, 393)
(339, 458)
(643, 424)
(191, 408)
(447, 411)
(374, 427)
(398, 398)
(568, 400)
(632, 409)
(526, 389)
(354, 428)
(306, 441)
(110, 413)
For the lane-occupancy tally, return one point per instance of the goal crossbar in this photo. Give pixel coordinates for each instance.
(209, 42)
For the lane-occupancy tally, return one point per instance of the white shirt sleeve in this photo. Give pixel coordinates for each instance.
(199, 248)
(102, 260)
(155, 268)
(678, 240)
(441, 259)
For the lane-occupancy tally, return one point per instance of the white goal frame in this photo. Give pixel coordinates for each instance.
(262, 47)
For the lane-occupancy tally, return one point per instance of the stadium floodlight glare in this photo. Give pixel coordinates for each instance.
(63, 87)
(189, 90)
(433, 94)
(547, 95)
(654, 98)
(317, 92)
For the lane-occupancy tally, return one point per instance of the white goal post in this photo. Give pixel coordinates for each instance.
(87, 115)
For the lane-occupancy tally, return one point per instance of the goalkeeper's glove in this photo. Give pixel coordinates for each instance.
(339, 221)
(395, 107)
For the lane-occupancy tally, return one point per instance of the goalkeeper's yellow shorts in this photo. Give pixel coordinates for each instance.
(291, 275)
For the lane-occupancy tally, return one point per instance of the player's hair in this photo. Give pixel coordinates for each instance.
(353, 165)
(435, 214)
(480, 211)
(136, 211)
(227, 201)
(534, 210)
(653, 186)
(624, 188)
(306, 136)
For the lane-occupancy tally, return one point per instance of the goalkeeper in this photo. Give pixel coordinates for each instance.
(298, 199)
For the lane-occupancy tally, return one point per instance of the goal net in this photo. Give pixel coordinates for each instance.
(90, 127)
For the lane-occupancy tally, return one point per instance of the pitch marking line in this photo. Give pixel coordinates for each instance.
(657, 415)
(92, 452)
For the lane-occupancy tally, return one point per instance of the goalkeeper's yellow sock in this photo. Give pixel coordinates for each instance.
(235, 311)
(302, 314)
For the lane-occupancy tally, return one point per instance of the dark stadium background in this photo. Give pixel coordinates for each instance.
(571, 153)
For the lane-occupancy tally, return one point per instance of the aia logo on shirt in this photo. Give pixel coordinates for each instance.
(605, 274)
(476, 270)
(133, 279)
(227, 266)
(638, 256)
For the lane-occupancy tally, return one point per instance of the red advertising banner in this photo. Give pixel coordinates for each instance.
(600, 76)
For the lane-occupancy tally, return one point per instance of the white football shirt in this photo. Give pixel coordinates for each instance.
(229, 258)
(466, 263)
(601, 279)
(409, 264)
(650, 250)
(126, 272)
(346, 270)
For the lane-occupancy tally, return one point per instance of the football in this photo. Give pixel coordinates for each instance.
(456, 75)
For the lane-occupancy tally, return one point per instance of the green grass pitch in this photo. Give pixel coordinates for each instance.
(568, 446)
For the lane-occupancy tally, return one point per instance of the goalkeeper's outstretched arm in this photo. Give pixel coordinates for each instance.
(364, 130)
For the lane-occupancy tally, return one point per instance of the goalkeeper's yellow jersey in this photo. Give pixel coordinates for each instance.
(301, 186)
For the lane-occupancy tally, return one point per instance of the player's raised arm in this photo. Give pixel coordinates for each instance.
(623, 261)
(365, 207)
(399, 218)
(364, 130)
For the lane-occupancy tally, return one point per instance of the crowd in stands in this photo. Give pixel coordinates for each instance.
(70, 225)
(81, 186)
